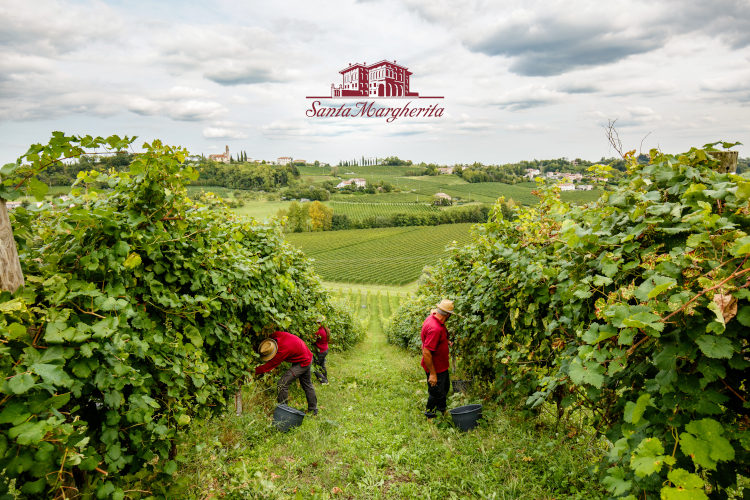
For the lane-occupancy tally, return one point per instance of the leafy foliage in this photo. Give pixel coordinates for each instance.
(141, 312)
(634, 307)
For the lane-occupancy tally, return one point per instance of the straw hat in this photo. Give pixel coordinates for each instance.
(267, 349)
(445, 307)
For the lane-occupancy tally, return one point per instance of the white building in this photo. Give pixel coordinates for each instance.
(566, 186)
(358, 183)
(584, 187)
(283, 160)
(222, 157)
(532, 172)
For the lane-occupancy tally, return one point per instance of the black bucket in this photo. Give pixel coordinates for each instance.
(461, 385)
(285, 417)
(465, 417)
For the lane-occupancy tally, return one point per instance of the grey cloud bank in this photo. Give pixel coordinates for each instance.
(521, 79)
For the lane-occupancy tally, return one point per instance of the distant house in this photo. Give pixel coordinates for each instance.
(566, 186)
(222, 157)
(358, 183)
(445, 170)
(10, 205)
(300, 161)
(284, 160)
(442, 200)
(532, 172)
(584, 187)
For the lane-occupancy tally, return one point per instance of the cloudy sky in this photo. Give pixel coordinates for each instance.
(521, 79)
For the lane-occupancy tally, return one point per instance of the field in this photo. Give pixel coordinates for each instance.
(356, 211)
(388, 256)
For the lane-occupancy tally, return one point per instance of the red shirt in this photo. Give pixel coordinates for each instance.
(291, 349)
(435, 340)
(322, 342)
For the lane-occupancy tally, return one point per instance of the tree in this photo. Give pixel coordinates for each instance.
(320, 216)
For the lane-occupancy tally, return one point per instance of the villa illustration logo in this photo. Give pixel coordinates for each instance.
(367, 83)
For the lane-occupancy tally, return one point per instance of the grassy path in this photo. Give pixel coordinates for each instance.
(372, 441)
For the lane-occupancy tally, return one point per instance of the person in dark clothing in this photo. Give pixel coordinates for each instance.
(321, 347)
(435, 353)
(283, 346)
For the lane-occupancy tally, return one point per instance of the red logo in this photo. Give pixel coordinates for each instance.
(382, 80)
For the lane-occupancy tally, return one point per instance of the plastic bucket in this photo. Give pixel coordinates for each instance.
(465, 417)
(460, 385)
(285, 417)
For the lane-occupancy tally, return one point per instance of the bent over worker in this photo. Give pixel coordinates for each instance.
(283, 346)
(435, 353)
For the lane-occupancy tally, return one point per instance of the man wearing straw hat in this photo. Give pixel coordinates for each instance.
(435, 352)
(283, 346)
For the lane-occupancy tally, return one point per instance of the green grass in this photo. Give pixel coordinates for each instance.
(261, 209)
(371, 441)
(387, 256)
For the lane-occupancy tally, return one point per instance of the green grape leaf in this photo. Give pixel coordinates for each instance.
(715, 347)
(743, 316)
(615, 482)
(649, 457)
(21, 383)
(634, 411)
(52, 374)
(705, 444)
(741, 247)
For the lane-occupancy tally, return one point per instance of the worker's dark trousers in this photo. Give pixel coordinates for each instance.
(319, 360)
(437, 394)
(302, 373)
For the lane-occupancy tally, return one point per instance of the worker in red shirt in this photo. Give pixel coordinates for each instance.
(321, 346)
(283, 346)
(435, 346)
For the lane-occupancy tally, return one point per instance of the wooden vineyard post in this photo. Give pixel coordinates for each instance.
(728, 161)
(11, 275)
(238, 402)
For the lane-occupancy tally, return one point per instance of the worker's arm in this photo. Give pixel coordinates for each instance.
(427, 355)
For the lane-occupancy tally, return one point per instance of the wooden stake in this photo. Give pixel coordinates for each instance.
(728, 161)
(238, 402)
(11, 275)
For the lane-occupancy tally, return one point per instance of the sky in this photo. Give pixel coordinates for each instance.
(520, 79)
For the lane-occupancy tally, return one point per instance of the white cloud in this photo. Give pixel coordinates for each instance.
(176, 108)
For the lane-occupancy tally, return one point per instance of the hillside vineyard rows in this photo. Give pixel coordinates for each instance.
(356, 211)
(388, 256)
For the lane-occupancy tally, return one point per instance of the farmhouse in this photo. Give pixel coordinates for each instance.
(445, 170)
(222, 157)
(283, 160)
(532, 172)
(584, 187)
(357, 182)
(566, 186)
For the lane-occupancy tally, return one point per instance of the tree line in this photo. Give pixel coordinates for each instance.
(315, 216)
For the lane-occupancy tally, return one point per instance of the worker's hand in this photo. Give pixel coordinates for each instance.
(432, 379)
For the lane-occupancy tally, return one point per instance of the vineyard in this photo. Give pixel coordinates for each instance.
(140, 313)
(631, 313)
(392, 256)
(362, 210)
